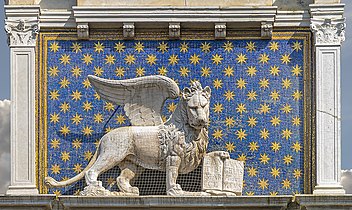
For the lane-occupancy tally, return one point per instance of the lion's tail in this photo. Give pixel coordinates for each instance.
(51, 182)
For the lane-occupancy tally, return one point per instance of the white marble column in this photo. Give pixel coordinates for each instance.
(22, 34)
(328, 35)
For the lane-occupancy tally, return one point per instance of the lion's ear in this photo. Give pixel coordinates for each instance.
(207, 91)
(186, 92)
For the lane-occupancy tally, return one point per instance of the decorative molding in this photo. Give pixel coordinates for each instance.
(174, 30)
(266, 30)
(21, 32)
(220, 30)
(328, 31)
(83, 31)
(128, 30)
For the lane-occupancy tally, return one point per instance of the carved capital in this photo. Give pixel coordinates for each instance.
(22, 32)
(266, 30)
(328, 31)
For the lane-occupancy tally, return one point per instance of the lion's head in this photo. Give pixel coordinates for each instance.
(197, 104)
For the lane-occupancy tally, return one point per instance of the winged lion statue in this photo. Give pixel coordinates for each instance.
(176, 146)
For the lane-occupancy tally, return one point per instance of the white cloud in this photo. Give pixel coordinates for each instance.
(346, 180)
(4, 145)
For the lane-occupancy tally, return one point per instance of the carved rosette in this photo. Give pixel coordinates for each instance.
(22, 32)
(328, 31)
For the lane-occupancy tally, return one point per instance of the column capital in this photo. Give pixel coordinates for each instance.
(22, 32)
(328, 31)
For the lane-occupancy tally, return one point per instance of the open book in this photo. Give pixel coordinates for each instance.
(222, 174)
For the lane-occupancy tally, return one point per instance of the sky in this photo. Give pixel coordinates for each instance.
(346, 99)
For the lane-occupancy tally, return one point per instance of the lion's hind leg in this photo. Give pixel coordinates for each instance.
(128, 171)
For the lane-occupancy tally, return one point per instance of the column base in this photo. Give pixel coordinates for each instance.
(329, 190)
(22, 190)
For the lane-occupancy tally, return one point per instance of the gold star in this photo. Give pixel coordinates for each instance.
(64, 107)
(264, 83)
(217, 59)
(184, 71)
(274, 46)
(205, 71)
(218, 108)
(250, 193)
(55, 169)
(228, 46)
(230, 147)
(296, 121)
(285, 58)
(194, 59)
(296, 146)
(87, 131)
(86, 83)
(65, 130)
(98, 47)
(241, 134)
(228, 71)
(275, 121)
(120, 71)
(65, 59)
(242, 157)
(263, 183)
(55, 143)
(241, 58)
(140, 71)
(184, 47)
(241, 83)
(98, 71)
(263, 58)
(251, 70)
(205, 47)
(151, 59)
(76, 71)
(297, 95)
(264, 134)
(297, 173)
(229, 95)
(87, 106)
(77, 168)
(76, 143)
(275, 146)
(173, 59)
(264, 108)
(163, 47)
(264, 158)
(288, 159)
(87, 155)
(217, 83)
(252, 171)
(76, 95)
(76, 119)
(297, 46)
(96, 96)
(275, 95)
(119, 47)
(109, 106)
(64, 83)
(253, 146)
(229, 121)
(139, 47)
(286, 83)
(171, 107)
(286, 184)
(98, 118)
(54, 47)
(286, 133)
(275, 172)
(65, 156)
(217, 134)
(252, 121)
(120, 119)
(109, 59)
(252, 95)
(162, 71)
(296, 71)
(110, 181)
(250, 46)
(57, 193)
(53, 71)
(130, 59)
(76, 47)
(286, 108)
(87, 59)
(274, 70)
(108, 129)
(241, 108)
(54, 95)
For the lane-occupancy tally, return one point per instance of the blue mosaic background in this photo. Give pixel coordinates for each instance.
(256, 106)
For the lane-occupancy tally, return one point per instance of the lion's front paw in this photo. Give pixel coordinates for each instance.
(176, 190)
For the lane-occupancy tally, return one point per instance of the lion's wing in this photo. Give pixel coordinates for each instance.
(142, 98)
